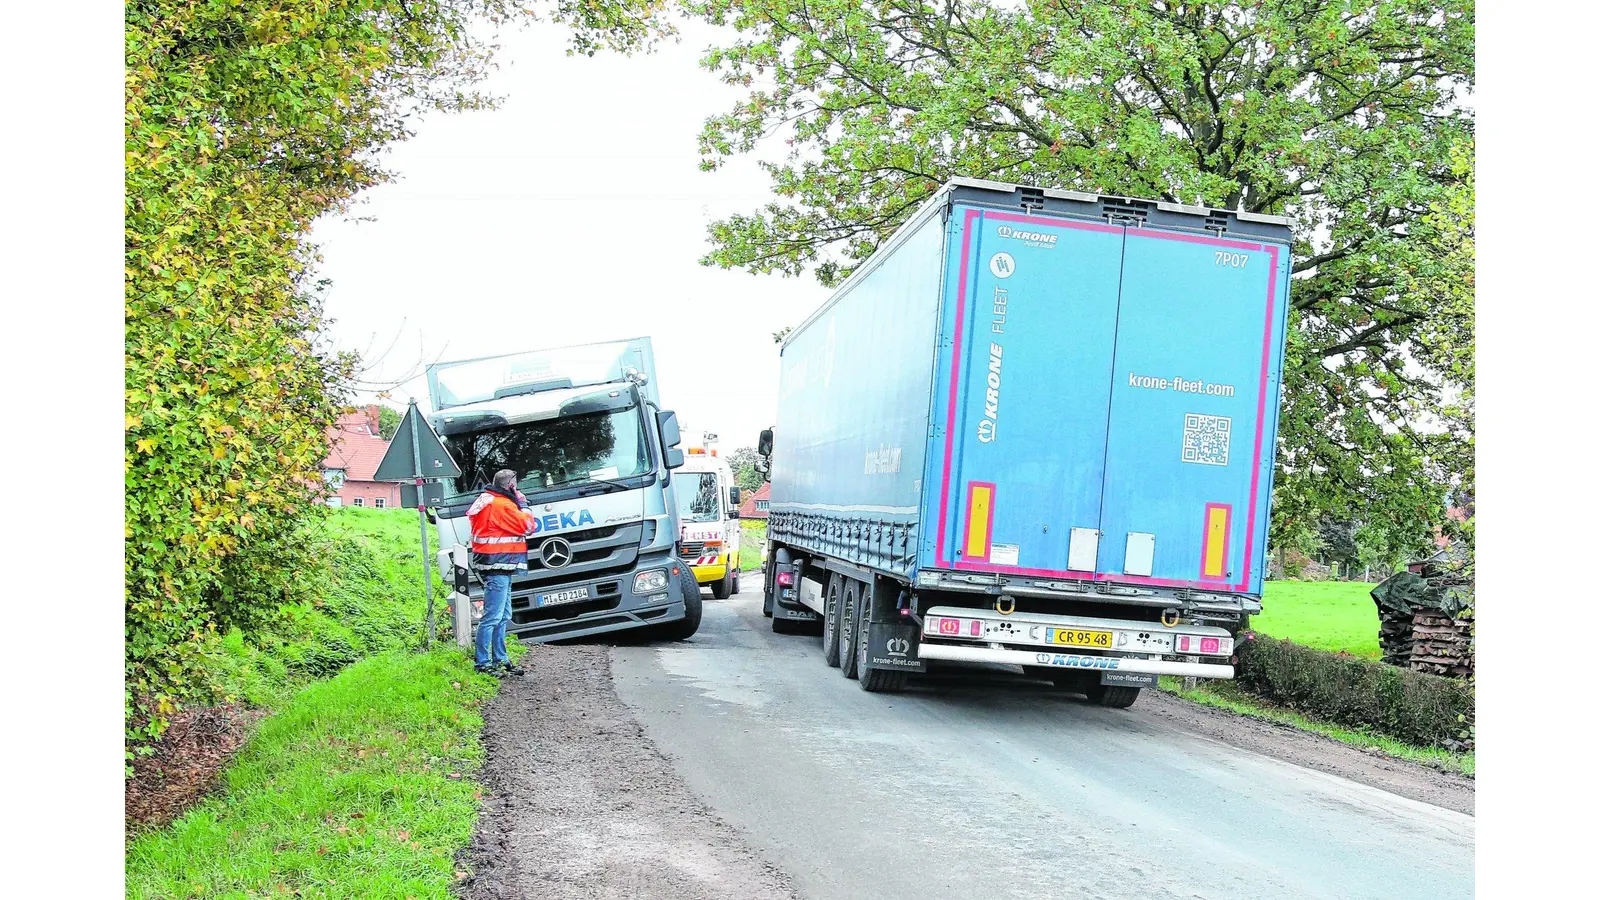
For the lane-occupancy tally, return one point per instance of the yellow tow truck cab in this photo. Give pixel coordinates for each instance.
(708, 508)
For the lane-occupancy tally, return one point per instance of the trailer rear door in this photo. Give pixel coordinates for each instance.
(1193, 411)
(1024, 377)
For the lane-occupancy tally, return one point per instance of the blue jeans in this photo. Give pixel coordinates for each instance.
(490, 640)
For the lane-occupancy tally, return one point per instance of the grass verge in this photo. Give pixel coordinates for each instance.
(752, 543)
(1225, 695)
(361, 786)
(1325, 615)
(371, 599)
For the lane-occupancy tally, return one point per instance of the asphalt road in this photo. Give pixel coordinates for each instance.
(985, 785)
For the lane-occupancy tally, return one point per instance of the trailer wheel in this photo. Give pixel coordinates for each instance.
(684, 628)
(850, 601)
(1115, 696)
(873, 681)
(830, 620)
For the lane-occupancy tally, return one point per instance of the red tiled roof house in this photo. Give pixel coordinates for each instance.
(755, 505)
(354, 451)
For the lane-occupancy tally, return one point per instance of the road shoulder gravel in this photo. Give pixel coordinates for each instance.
(580, 804)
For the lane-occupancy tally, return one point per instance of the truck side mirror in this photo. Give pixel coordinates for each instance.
(764, 443)
(667, 421)
(733, 497)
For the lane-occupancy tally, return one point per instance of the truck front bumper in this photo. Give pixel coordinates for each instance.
(710, 574)
(613, 604)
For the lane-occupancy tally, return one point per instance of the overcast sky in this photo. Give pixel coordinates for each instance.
(573, 213)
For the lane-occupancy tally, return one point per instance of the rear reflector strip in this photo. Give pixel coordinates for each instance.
(980, 517)
(1214, 541)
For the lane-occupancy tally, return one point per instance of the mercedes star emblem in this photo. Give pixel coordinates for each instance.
(555, 553)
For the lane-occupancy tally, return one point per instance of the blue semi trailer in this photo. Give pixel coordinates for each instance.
(1036, 428)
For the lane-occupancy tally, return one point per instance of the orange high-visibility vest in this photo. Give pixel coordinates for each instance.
(499, 533)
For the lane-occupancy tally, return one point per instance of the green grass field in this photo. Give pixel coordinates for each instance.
(360, 782)
(373, 600)
(752, 543)
(361, 787)
(1327, 615)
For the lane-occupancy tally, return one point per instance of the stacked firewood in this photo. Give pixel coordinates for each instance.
(1395, 635)
(1441, 645)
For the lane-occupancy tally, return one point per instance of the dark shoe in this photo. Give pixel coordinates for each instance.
(487, 670)
(511, 668)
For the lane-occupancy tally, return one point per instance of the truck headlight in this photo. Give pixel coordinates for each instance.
(650, 580)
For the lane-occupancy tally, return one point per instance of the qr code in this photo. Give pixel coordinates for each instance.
(1205, 439)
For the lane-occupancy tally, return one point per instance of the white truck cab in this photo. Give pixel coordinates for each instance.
(708, 508)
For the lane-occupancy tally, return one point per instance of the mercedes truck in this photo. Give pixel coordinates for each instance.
(1034, 429)
(595, 457)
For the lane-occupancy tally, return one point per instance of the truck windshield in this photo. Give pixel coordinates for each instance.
(697, 497)
(554, 452)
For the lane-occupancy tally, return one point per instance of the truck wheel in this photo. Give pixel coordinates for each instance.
(735, 590)
(767, 588)
(684, 628)
(831, 601)
(849, 601)
(1115, 696)
(873, 681)
(719, 589)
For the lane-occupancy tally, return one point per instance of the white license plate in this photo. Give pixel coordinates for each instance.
(555, 597)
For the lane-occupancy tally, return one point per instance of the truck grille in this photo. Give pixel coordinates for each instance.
(596, 553)
(691, 550)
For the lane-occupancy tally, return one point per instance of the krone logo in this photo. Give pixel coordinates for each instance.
(899, 646)
(1032, 237)
(1002, 265)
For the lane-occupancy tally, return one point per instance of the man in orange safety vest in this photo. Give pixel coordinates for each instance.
(501, 524)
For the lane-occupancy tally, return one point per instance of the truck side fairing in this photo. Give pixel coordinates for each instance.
(853, 408)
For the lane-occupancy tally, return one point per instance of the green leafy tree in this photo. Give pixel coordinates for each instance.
(388, 422)
(743, 462)
(244, 121)
(1347, 116)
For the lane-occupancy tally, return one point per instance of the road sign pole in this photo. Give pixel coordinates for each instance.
(403, 462)
(422, 515)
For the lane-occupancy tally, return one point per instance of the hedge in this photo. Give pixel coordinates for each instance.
(1425, 710)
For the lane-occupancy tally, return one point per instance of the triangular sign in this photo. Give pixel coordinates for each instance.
(401, 464)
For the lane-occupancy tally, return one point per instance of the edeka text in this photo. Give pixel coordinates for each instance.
(991, 397)
(562, 521)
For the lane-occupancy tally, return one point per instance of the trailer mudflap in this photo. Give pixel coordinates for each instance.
(892, 646)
